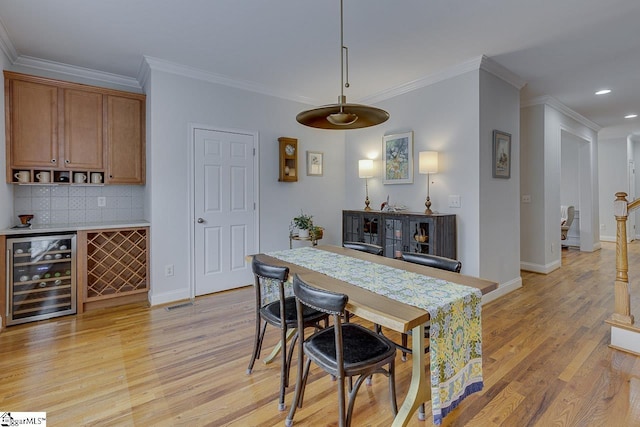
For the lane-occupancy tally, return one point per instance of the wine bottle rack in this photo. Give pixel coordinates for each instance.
(117, 263)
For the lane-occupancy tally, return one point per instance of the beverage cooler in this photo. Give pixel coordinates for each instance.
(41, 277)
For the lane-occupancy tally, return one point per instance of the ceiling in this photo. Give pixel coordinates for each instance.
(565, 49)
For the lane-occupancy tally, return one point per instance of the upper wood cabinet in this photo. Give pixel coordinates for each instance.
(63, 127)
(31, 122)
(125, 140)
(82, 130)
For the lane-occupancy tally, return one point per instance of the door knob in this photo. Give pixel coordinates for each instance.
(200, 220)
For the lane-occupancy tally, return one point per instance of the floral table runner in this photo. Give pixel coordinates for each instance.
(456, 330)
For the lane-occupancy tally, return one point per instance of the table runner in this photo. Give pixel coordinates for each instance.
(456, 330)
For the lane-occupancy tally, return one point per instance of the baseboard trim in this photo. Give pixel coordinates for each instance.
(502, 290)
(538, 268)
(625, 339)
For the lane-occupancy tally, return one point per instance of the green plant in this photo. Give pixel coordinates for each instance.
(303, 221)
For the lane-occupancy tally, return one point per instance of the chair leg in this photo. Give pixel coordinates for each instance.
(421, 413)
(257, 344)
(392, 387)
(284, 368)
(404, 344)
(292, 346)
(301, 382)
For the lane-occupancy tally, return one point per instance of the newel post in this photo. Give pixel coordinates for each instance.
(622, 311)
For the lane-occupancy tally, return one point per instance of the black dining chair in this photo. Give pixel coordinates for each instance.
(369, 248)
(344, 350)
(273, 307)
(364, 247)
(433, 261)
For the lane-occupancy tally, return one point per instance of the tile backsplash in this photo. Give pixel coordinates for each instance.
(66, 204)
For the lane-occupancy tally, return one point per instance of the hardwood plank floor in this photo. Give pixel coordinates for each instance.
(546, 363)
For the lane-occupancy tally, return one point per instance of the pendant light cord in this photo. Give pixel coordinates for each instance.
(344, 57)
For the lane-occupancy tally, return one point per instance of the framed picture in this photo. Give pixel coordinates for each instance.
(397, 158)
(501, 154)
(314, 163)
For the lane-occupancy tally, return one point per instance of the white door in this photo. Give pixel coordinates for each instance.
(225, 229)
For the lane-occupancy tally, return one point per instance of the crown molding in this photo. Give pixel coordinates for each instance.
(5, 43)
(425, 81)
(480, 63)
(490, 66)
(559, 106)
(198, 74)
(72, 70)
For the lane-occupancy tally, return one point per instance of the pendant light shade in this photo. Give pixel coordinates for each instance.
(342, 116)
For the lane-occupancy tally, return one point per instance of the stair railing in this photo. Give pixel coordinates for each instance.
(622, 310)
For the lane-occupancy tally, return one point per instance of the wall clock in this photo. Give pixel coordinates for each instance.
(288, 167)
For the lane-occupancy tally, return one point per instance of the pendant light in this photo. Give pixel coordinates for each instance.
(342, 115)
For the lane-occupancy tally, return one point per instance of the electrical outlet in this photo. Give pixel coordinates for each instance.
(603, 227)
(102, 202)
(168, 270)
(553, 247)
(526, 199)
(454, 201)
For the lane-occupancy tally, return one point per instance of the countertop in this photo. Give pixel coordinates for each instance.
(62, 228)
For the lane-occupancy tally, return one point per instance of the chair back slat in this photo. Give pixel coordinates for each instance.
(364, 247)
(434, 261)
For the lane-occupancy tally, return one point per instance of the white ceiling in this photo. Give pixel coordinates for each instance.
(566, 49)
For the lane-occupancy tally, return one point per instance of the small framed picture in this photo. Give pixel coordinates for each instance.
(501, 154)
(314, 163)
(397, 158)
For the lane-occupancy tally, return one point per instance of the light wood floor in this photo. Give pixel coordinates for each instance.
(546, 363)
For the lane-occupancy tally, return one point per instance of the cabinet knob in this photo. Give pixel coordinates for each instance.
(66, 161)
(53, 160)
(200, 220)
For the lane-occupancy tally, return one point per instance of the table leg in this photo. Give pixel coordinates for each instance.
(278, 347)
(419, 389)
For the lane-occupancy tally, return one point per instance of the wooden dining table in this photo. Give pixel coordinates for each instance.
(389, 313)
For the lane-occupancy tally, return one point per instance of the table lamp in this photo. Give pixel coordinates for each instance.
(365, 170)
(428, 164)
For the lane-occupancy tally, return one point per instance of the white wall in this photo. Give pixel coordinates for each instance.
(6, 190)
(612, 161)
(445, 117)
(499, 222)
(174, 102)
(542, 152)
(532, 183)
(570, 169)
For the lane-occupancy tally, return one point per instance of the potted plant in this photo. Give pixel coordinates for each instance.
(303, 223)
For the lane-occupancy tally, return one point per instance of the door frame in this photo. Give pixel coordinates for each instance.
(191, 173)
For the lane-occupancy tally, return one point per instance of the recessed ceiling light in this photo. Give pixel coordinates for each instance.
(603, 92)
(630, 116)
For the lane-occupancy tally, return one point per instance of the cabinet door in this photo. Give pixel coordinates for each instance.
(351, 227)
(125, 140)
(395, 230)
(421, 235)
(32, 110)
(371, 228)
(82, 130)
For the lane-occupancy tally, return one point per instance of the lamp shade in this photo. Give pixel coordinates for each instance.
(428, 162)
(365, 168)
